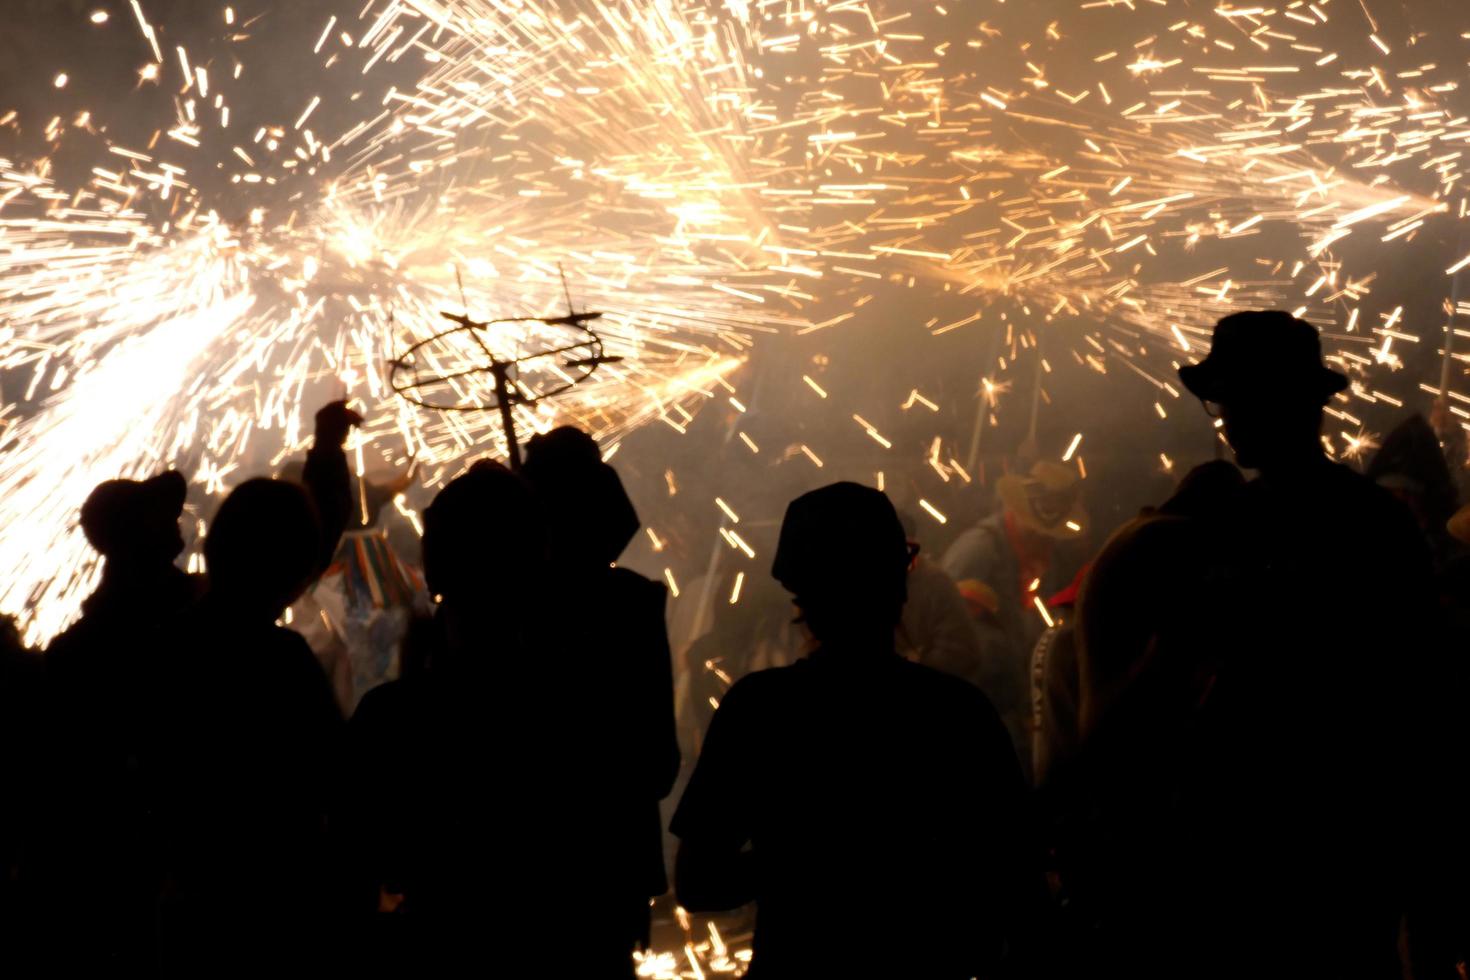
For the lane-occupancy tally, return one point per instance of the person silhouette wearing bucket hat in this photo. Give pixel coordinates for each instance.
(1002, 565)
(871, 807)
(1305, 815)
(93, 874)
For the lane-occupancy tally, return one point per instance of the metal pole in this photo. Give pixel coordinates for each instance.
(983, 412)
(1449, 333)
(501, 371)
(1029, 449)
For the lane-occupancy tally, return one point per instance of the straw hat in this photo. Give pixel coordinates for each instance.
(1048, 501)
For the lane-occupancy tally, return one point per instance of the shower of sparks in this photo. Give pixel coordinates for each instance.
(706, 175)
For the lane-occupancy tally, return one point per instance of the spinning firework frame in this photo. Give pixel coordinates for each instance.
(508, 392)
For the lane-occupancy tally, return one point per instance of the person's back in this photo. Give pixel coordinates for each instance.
(246, 721)
(1312, 805)
(503, 796)
(617, 703)
(871, 807)
(883, 804)
(460, 813)
(1305, 745)
(240, 725)
(615, 693)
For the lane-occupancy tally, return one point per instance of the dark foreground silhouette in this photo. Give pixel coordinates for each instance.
(1268, 745)
(872, 808)
(514, 781)
(1254, 765)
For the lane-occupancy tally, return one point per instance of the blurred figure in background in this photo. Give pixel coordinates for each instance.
(937, 628)
(358, 613)
(1002, 566)
(1411, 465)
(871, 807)
(1056, 685)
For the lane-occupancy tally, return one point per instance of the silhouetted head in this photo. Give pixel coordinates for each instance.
(136, 522)
(563, 447)
(1265, 374)
(845, 559)
(484, 539)
(592, 519)
(262, 549)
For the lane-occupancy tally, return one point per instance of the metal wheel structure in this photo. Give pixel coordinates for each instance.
(411, 377)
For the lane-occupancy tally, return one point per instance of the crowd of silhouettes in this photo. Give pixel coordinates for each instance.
(1240, 755)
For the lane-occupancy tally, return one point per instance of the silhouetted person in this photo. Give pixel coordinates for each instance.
(728, 651)
(1308, 734)
(619, 695)
(134, 525)
(1140, 663)
(871, 807)
(461, 778)
(92, 867)
(21, 715)
(240, 728)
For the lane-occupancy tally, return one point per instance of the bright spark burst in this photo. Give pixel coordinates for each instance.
(706, 175)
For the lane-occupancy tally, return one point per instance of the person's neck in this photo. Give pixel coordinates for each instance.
(136, 574)
(1288, 467)
(856, 648)
(473, 627)
(247, 614)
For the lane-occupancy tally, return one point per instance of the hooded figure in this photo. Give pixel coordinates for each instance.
(616, 680)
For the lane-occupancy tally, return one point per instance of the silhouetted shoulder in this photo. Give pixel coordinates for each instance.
(625, 582)
(954, 692)
(382, 704)
(756, 692)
